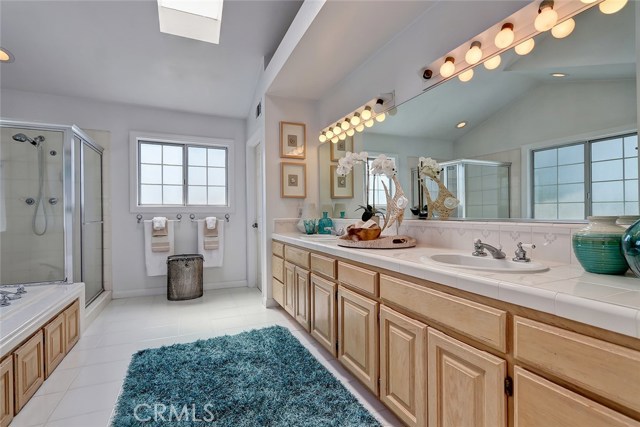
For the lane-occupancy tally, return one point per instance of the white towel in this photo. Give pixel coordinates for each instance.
(212, 258)
(159, 222)
(211, 222)
(156, 262)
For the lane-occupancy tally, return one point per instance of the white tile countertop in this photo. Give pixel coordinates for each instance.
(31, 312)
(566, 290)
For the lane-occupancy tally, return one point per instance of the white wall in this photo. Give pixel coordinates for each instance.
(128, 270)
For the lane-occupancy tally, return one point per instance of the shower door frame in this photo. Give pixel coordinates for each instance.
(68, 189)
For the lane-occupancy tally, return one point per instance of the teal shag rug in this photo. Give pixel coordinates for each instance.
(262, 377)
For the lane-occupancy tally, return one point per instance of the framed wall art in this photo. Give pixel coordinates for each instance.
(293, 180)
(340, 148)
(293, 140)
(341, 186)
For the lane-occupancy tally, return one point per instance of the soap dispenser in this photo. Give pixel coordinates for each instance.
(325, 225)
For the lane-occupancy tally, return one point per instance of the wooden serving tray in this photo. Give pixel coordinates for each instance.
(384, 242)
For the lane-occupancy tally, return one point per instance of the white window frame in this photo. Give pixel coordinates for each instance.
(136, 136)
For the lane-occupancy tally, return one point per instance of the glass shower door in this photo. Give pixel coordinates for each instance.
(92, 221)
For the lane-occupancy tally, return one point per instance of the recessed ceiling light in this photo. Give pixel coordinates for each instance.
(559, 75)
(461, 125)
(5, 55)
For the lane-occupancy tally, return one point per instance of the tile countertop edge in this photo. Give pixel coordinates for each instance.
(8, 341)
(608, 316)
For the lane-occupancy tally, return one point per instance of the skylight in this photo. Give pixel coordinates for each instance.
(194, 19)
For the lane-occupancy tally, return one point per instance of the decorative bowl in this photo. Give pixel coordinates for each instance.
(357, 234)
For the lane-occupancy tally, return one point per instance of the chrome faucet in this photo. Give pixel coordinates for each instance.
(4, 301)
(521, 254)
(479, 248)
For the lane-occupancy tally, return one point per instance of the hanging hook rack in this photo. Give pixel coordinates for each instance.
(139, 218)
(227, 217)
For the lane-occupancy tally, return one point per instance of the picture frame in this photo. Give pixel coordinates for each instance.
(341, 186)
(293, 140)
(293, 180)
(340, 148)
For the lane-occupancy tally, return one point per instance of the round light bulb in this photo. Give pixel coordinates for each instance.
(466, 76)
(334, 139)
(355, 120)
(546, 19)
(344, 125)
(366, 113)
(360, 127)
(380, 117)
(563, 29)
(525, 47)
(322, 137)
(342, 136)
(505, 37)
(461, 125)
(493, 63)
(336, 130)
(350, 132)
(4, 56)
(474, 54)
(448, 68)
(611, 6)
(369, 123)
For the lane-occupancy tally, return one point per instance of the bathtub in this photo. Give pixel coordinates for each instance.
(34, 309)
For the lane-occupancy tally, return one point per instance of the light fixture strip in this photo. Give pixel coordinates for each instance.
(523, 29)
(365, 118)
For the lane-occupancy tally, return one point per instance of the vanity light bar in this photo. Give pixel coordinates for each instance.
(517, 31)
(366, 116)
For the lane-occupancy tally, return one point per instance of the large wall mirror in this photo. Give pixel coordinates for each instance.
(561, 122)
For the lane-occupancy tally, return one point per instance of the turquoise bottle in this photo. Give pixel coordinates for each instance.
(325, 224)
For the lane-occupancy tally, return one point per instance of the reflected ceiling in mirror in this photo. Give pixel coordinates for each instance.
(566, 91)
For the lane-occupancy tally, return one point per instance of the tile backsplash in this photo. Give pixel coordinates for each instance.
(552, 240)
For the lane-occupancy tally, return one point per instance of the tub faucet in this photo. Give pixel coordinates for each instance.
(4, 301)
(479, 248)
(10, 295)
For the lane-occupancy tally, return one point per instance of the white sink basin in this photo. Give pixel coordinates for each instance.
(469, 262)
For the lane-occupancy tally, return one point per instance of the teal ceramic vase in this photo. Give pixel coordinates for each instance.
(325, 224)
(598, 246)
(631, 247)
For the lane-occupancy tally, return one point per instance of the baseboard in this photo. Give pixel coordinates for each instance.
(270, 303)
(163, 290)
(95, 308)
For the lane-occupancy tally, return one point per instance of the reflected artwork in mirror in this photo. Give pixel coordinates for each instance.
(559, 124)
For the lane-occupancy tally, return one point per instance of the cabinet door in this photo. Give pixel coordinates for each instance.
(289, 288)
(55, 344)
(72, 324)
(358, 336)
(403, 366)
(6, 391)
(28, 362)
(541, 403)
(324, 326)
(466, 385)
(278, 291)
(303, 314)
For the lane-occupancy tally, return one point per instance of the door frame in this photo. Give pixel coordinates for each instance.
(255, 239)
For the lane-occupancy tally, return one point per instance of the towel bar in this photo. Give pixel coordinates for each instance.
(194, 219)
(139, 218)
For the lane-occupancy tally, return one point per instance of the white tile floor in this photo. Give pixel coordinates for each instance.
(83, 390)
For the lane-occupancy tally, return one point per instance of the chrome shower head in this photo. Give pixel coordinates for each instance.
(21, 137)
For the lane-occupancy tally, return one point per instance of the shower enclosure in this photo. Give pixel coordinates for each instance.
(51, 223)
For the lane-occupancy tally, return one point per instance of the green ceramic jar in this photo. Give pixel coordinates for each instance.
(598, 246)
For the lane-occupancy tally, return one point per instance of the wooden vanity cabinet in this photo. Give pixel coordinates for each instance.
(28, 360)
(55, 343)
(72, 324)
(302, 288)
(6, 391)
(358, 336)
(324, 327)
(466, 385)
(289, 288)
(403, 366)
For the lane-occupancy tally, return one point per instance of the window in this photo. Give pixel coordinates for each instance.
(598, 177)
(181, 174)
(376, 197)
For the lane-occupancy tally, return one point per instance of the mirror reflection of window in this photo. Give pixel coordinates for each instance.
(377, 198)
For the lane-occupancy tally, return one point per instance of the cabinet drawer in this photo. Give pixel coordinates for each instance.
(541, 403)
(323, 265)
(28, 368)
(359, 278)
(6, 391)
(277, 268)
(278, 291)
(297, 256)
(277, 248)
(477, 321)
(607, 369)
